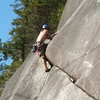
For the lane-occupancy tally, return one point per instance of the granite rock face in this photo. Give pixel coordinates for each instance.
(27, 82)
(76, 48)
(75, 54)
(59, 87)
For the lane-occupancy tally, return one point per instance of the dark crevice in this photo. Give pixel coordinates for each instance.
(86, 92)
(73, 80)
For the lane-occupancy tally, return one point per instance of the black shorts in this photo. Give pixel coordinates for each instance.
(41, 48)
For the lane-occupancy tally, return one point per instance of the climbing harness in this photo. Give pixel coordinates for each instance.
(39, 47)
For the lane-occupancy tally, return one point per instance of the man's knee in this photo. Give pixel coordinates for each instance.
(43, 57)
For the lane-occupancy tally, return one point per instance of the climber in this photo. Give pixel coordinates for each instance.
(40, 46)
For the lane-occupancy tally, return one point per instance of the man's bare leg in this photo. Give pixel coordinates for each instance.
(45, 64)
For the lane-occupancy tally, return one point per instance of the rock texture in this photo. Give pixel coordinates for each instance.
(76, 47)
(74, 52)
(59, 87)
(27, 82)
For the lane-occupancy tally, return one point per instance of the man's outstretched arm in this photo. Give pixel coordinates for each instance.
(52, 35)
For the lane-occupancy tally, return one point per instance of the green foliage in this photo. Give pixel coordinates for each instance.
(7, 72)
(0, 50)
(1, 89)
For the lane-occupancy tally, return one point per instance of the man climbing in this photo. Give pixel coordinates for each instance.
(41, 46)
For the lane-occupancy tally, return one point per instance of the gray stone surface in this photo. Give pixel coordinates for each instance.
(90, 80)
(11, 84)
(75, 48)
(59, 87)
(27, 82)
(73, 42)
(69, 9)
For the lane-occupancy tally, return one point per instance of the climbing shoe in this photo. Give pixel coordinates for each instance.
(47, 70)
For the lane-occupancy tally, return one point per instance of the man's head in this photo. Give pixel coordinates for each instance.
(45, 26)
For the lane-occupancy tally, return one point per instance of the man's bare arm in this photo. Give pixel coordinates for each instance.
(53, 35)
